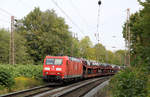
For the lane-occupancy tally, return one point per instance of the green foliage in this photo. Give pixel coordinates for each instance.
(22, 83)
(4, 46)
(130, 82)
(30, 71)
(110, 57)
(46, 34)
(134, 81)
(85, 49)
(140, 33)
(75, 49)
(85, 44)
(100, 53)
(6, 78)
(21, 55)
(19, 77)
(119, 57)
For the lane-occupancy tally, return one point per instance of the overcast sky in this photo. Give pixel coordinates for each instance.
(82, 12)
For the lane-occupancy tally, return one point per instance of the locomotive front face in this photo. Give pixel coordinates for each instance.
(53, 69)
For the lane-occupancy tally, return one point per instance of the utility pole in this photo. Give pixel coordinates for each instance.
(127, 39)
(12, 50)
(126, 42)
(72, 46)
(129, 36)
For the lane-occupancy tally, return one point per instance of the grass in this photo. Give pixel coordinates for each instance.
(21, 83)
(24, 76)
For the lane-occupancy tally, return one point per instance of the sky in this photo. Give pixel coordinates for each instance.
(83, 13)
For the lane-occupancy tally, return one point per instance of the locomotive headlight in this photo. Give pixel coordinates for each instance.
(46, 72)
(58, 69)
(58, 73)
(46, 68)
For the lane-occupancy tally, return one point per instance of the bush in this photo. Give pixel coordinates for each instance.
(18, 77)
(129, 83)
(6, 78)
(30, 71)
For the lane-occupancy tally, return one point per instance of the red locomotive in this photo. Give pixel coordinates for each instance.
(64, 68)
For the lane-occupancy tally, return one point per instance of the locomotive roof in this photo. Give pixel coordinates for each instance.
(67, 57)
(56, 56)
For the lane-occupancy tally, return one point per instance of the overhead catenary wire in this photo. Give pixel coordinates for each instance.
(26, 5)
(81, 17)
(8, 13)
(68, 17)
(5, 21)
(78, 12)
(4, 15)
(5, 11)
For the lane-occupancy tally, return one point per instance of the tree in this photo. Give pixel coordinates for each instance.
(85, 44)
(119, 57)
(110, 57)
(75, 48)
(100, 52)
(4, 46)
(140, 41)
(46, 34)
(21, 55)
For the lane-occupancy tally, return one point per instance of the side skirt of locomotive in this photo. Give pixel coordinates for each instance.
(56, 78)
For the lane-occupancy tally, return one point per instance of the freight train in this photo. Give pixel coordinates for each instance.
(65, 68)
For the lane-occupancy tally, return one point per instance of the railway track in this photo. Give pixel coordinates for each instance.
(81, 91)
(78, 89)
(33, 91)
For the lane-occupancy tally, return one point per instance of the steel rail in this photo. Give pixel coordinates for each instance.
(81, 90)
(60, 92)
(15, 94)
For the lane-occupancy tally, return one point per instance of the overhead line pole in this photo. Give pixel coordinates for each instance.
(129, 36)
(127, 39)
(126, 44)
(12, 50)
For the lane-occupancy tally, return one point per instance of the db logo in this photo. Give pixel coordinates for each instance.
(53, 67)
(76, 67)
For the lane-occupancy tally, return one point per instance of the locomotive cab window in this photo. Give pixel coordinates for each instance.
(58, 61)
(51, 61)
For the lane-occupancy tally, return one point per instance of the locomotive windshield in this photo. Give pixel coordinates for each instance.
(52, 61)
